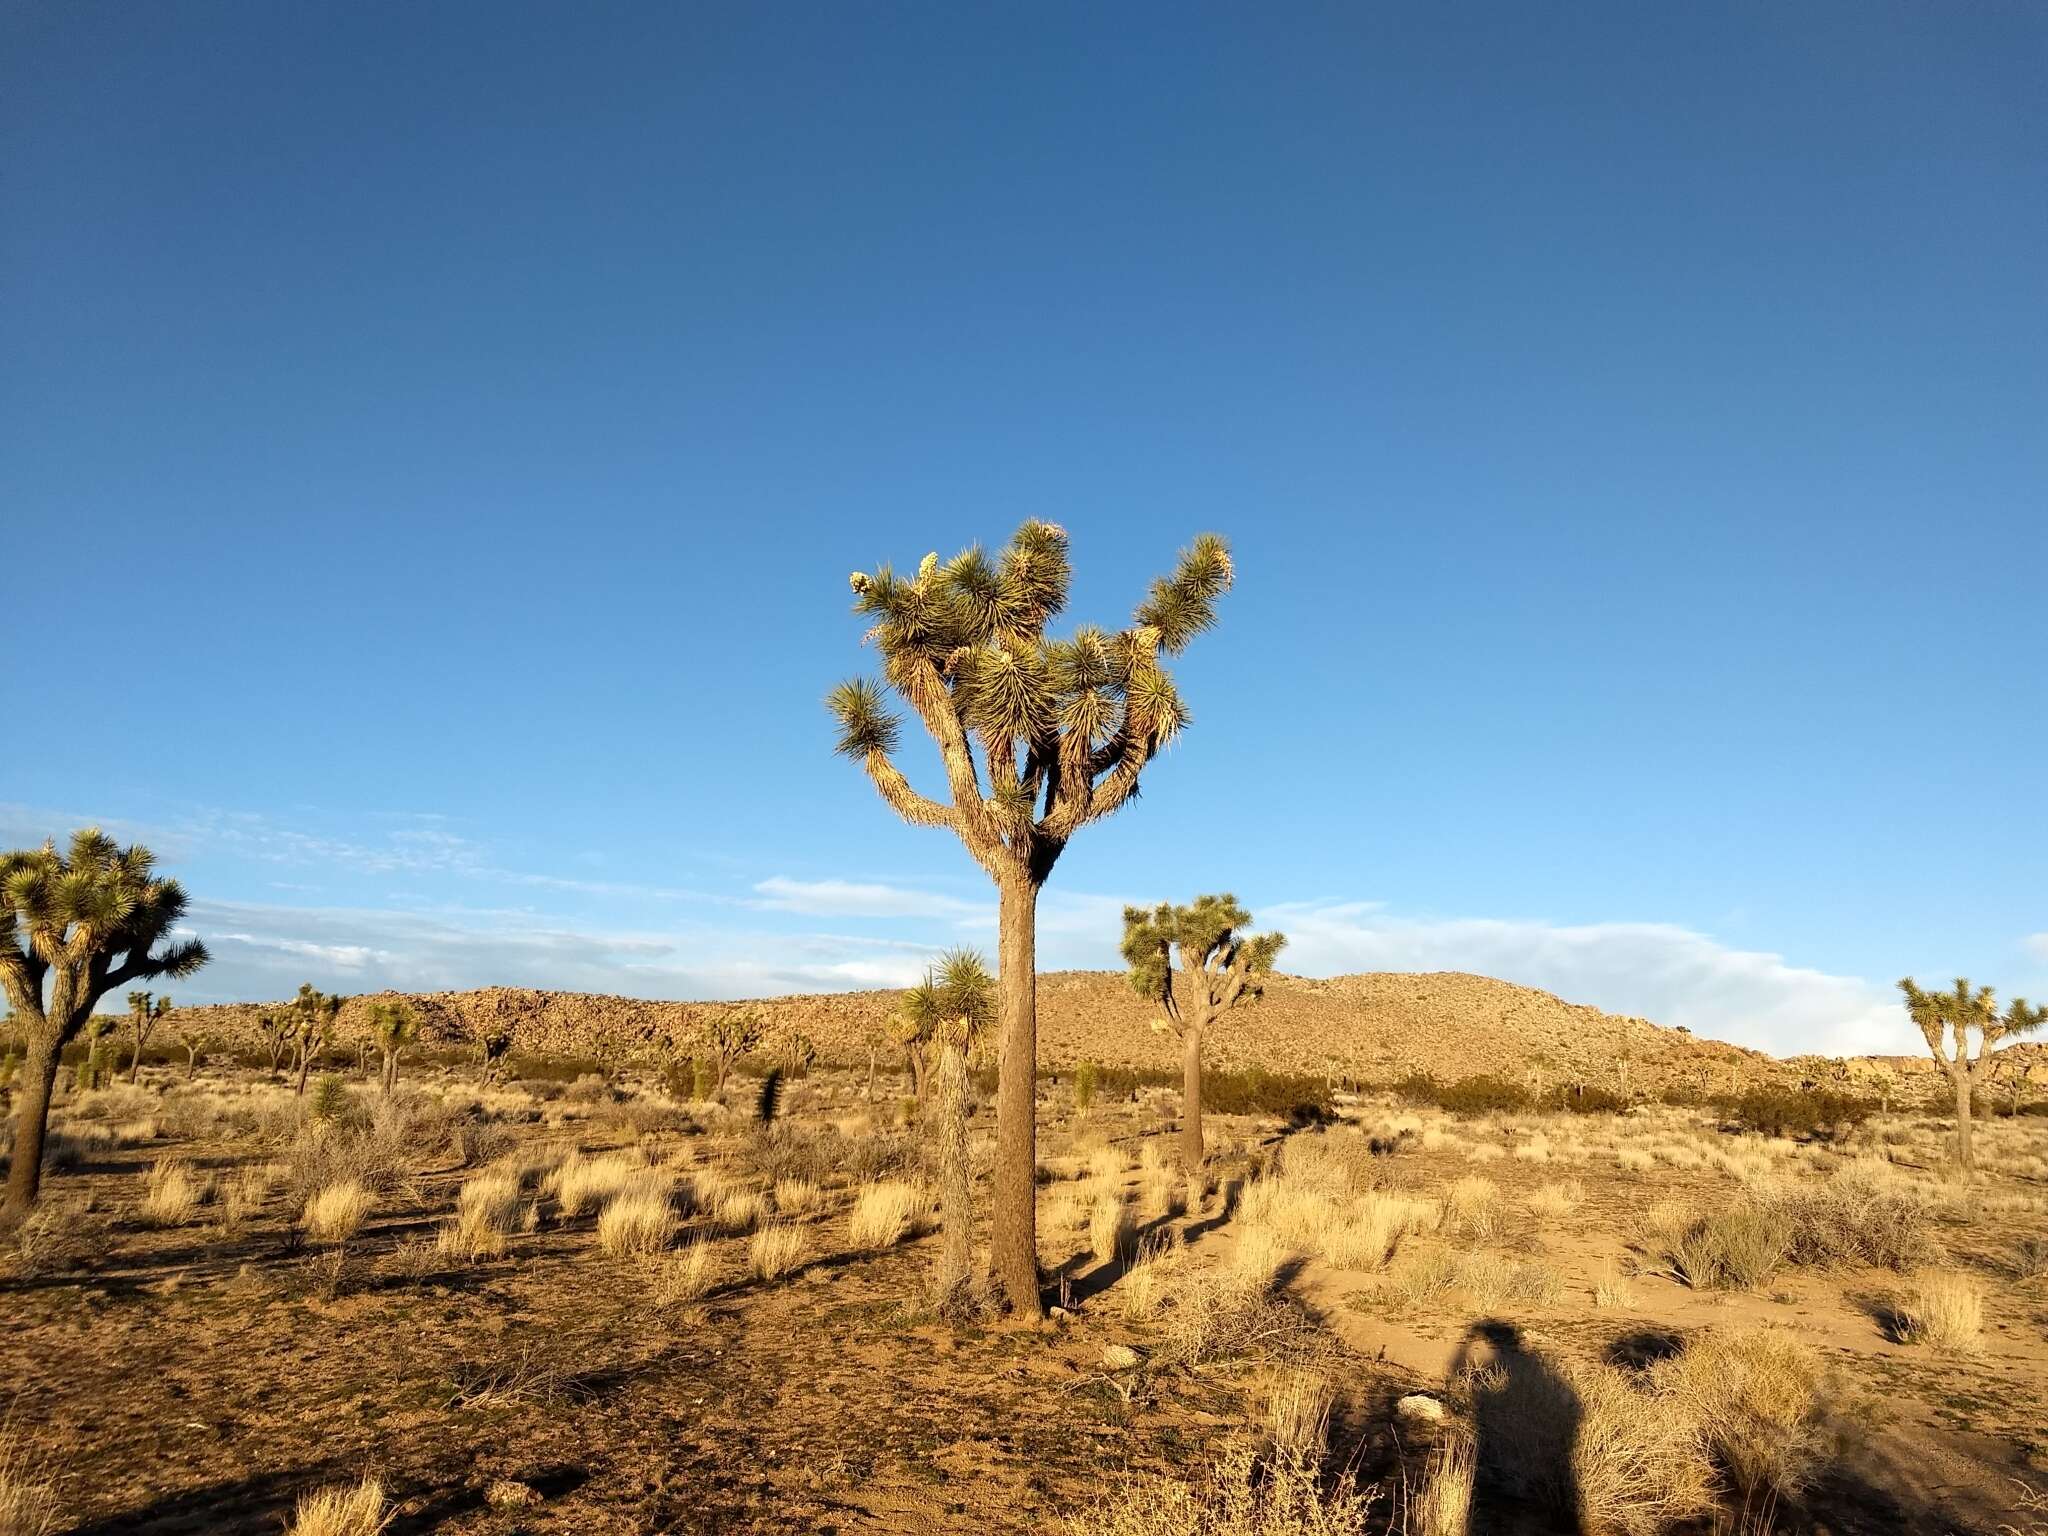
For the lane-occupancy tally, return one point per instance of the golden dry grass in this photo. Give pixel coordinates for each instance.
(685, 1275)
(638, 1219)
(174, 1193)
(884, 1213)
(354, 1511)
(1943, 1310)
(775, 1250)
(337, 1212)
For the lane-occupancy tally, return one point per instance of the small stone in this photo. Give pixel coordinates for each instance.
(1120, 1357)
(1418, 1405)
(1060, 1315)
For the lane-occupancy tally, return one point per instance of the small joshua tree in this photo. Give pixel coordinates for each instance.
(1063, 729)
(143, 1018)
(910, 1028)
(394, 1026)
(493, 1045)
(729, 1036)
(276, 1029)
(197, 1043)
(97, 1067)
(1218, 966)
(312, 1017)
(74, 926)
(954, 1006)
(1945, 1020)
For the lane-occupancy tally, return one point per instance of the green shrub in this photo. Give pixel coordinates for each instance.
(330, 1097)
(1590, 1100)
(1084, 1084)
(1779, 1111)
(1466, 1096)
(1300, 1098)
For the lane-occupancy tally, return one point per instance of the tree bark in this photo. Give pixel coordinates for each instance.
(390, 1072)
(1965, 1159)
(956, 1200)
(31, 1124)
(135, 1063)
(1015, 1242)
(1191, 1151)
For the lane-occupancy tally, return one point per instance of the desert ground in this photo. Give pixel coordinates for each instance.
(592, 1303)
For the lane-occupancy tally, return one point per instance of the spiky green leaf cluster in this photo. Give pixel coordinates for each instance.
(956, 997)
(1063, 727)
(1963, 1008)
(1205, 941)
(392, 1024)
(733, 1033)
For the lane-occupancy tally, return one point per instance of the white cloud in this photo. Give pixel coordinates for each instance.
(1658, 971)
(2038, 943)
(848, 898)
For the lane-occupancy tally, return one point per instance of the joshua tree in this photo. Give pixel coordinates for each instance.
(276, 1029)
(197, 1043)
(1958, 1012)
(394, 1027)
(1063, 730)
(1218, 966)
(910, 1027)
(729, 1036)
(83, 921)
(953, 1007)
(143, 1018)
(798, 1055)
(312, 1017)
(493, 1045)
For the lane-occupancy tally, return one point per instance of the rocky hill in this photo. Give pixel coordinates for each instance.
(1378, 1026)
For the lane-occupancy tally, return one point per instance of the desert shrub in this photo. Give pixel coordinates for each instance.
(775, 1250)
(1756, 1393)
(1775, 1110)
(1233, 1314)
(1736, 1248)
(885, 1212)
(1943, 1310)
(1588, 1099)
(1301, 1099)
(591, 1088)
(174, 1193)
(1474, 1206)
(638, 1219)
(336, 1213)
(357, 1511)
(1110, 1229)
(1482, 1096)
(584, 1183)
(1864, 1214)
(797, 1197)
(1556, 1200)
(1441, 1503)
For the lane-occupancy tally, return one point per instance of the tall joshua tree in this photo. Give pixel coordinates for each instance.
(1945, 1020)
(734, 1033)
(1218, 967)
(1039, 737)
(312, 1016)
(74, 926)
(394, 1026)
(143, 1017)
(952, 1007)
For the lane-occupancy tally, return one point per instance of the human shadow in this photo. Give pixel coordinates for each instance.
(1525, 1418)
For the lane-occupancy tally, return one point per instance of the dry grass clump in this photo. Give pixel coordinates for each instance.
(1613, 1290)
(1298, 1413)
(1110, 1228)
(246, 1193)
(885, 1212)
(1941, 1309)
(1474, 1206)
(28, 1506)
(1493, 1281)
(638, 1219)
(739, 1211)
(357, 1511)
(486, 1212)
(686, 1275)
(775, 1250)
(797, 1197)
(1367, 1235)
(1244, 1494)
(1152, 1274)
(1555, 1200)
(1423, 1280)
(583, 1183)
(1756, 1395)
(335, 1214)
(1634, 1160)
(1736, 1248)
(1867, 1213)
(1226, 1315)
(1441, 1504)
(174, 1193)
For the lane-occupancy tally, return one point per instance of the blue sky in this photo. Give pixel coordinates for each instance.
(435, 441)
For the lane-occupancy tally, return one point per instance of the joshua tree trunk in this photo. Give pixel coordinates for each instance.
(1191, 1100)
(1965, 1159)
(390, 1071)
(956, 1209)
(1014, 1246)
(135, 1061)
(305, 1066)
(31, 1117)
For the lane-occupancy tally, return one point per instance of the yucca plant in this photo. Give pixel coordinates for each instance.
(1039, 738)
(1196, 963)
(953, 1006)
(394, 1026)
(73, 926)
(312, 1018)
(1945, 1020)
(94, 1071)
(144, 1014)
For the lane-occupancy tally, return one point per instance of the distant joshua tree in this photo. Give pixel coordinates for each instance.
(798, 1055)
(276, 1029)
(312, 1017)
(729, 1036)
(493, 1045)
(1945, 1020)
(910, 1027)
(1218, 966)
(143, 1018)
(953, 1007)
(394, 1026)
(83, 922)
(196, 1043)
(1063, 728)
